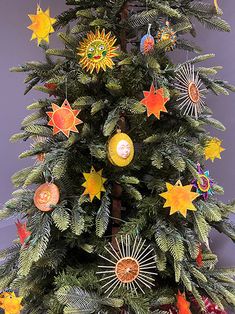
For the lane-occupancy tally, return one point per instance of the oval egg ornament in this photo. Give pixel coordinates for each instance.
(46, 195)
(120, 150)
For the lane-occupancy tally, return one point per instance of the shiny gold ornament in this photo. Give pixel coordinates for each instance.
(120, 150)
(97, 51)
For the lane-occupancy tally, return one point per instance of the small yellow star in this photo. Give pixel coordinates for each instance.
(42, 25)
(179, 198)
(213, 149)
(10, 303)
(94, 184)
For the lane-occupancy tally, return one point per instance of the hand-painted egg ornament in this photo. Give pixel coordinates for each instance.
(120, 150)
(46, 195)
(147, 43)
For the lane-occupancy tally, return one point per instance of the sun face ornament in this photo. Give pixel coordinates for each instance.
(94, 184)
(155, 101)
(191, 101)
(42, 25)
(64, 119)
(97, 51)
(167, 33)
(46, 195)
(179, 198)
(120, 150)
(130, 267)
(204, 184)
(213, 149)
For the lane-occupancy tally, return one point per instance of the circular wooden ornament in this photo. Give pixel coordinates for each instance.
(46, 194)
(120, 150)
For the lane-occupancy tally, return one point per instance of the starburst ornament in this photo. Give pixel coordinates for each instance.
(190, 87)
(130, 266)
(155, 101)
(10, 303)
(213, 149)
(179, 198)
(204, 184)
(42, 25)
(97, 51)
(94, 184)
(64, 119)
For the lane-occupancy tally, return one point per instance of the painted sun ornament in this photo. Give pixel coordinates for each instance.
(120, 150)
(10, 303)
(155, 101)
(204, 184)
(132, 266)
(179, 198)
(166, 33)
(94, 184)
(42, 25)
(97, 51)
(213, 149)
(64, 119)
(191, 99)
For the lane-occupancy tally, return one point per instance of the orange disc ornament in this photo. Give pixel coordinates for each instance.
(46, 195)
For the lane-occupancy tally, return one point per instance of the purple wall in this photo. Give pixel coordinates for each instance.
(16, 49)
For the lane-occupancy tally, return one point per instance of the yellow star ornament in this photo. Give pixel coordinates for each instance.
(42, 25)
(213, 149)
(94, 184)
(10, 303)
(179, 198)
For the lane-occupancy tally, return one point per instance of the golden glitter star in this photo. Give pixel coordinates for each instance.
(94, 184)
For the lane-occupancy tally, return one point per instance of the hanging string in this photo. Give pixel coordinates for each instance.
(66, 88)
(149, 28)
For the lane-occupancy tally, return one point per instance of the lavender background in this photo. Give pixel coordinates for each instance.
(16, 49)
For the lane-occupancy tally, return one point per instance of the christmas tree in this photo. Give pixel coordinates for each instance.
(116, 211)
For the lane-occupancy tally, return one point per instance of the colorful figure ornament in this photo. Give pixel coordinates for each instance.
(42, 25)
(64, 119)
(120, 150)
(179, 198)
(167, 33)
(190, 87)
(205, 184)
(10, 303)
(155, 101)
(46, 195)
(97, 51)
(213, 149)
(94, 184)
(147, 43)
(130, 266)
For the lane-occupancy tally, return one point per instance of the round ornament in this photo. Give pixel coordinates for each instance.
(147, 43)
(167, 33)
(46, 195)
(120, 150)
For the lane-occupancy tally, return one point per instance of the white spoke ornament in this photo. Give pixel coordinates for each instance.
(132, 266)
(190, 87)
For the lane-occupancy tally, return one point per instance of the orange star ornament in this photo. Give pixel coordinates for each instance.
(64, 119)
(213, 149)
(179, 198)
(182, 304)
(94, 184)
(42, 25)
(10, 303)
(155, 101)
